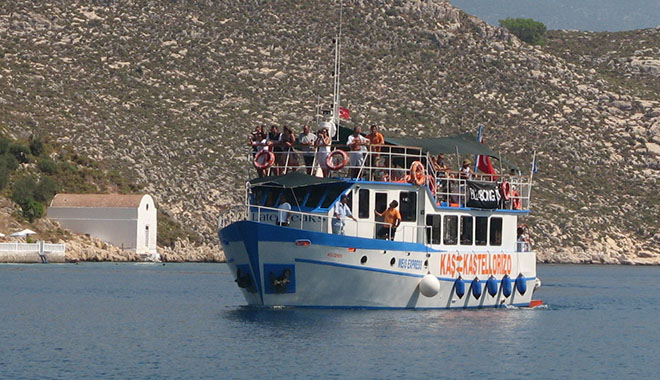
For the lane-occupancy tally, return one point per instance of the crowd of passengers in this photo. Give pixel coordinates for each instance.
(316, 146)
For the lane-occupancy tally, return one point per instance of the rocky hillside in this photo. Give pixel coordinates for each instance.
(167, 91)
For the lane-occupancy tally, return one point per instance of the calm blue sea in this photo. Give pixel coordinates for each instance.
(186, 321)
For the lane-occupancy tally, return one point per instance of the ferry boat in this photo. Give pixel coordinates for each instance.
(457, 244)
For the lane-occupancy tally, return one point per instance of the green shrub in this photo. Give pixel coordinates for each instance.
(9, 161)
(4, 176)
(45, 190)
(33, 210)
(23, 190)
(4, 144)
(37, 146)
(20, 152)
(526, 29)
(46, 165)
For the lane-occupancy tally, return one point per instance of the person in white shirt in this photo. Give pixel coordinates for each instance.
(323, 143)
(341, 211)
(358, 145)
(307, 140)
(522, 243)
(283, 217)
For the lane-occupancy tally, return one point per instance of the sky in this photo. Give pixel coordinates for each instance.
(591, 15)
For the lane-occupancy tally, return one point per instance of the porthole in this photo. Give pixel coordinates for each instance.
(392, 262)
(363, 259)
(426, 263)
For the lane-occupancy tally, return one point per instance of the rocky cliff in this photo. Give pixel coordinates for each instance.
(168, 91)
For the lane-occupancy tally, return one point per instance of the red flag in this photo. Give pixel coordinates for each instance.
(484, 164)
(344, 113)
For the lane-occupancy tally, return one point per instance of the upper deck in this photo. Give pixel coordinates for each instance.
(395, 165)
(440, 207)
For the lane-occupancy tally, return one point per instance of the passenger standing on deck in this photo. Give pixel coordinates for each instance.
(257, 139)
(258, 143)
(273, 141)
(392, 218)
(358, 145)
(466, 170)
(375, 140)
(341, 211)
(283, 216)
(322, 144)
(289, 155)
(307, 140)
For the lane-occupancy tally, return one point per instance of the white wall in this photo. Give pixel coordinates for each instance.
(147, 217)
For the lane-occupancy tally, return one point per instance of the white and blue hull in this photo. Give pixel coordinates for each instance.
(280, 266)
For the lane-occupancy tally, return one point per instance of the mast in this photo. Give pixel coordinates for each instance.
(336, 96)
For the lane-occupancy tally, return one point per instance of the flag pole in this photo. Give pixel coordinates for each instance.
(531, 172)
(531, 176)
(336, 97)
(476, 158)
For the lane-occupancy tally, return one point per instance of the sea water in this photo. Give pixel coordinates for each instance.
(188, 321)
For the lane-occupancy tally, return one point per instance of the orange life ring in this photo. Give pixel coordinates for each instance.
(417, 176)
(515, 203)
(268, 160)
(330, 164)
(505, 190)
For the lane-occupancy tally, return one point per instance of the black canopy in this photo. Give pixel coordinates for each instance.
(293, 180)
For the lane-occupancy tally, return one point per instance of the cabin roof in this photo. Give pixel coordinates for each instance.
(97, 200)
(293, 180)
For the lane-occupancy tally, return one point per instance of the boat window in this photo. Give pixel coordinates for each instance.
(363, 203)
(481, 237)
(495, 231)
(271, 198)
(299, 196)
(257, 195)
(314, 198)
(433, 232)
(381, 201)
(450, 230)
(333, 194)
(408, 206)
(350, 201)
(466, 230)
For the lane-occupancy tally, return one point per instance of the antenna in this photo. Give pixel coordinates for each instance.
(336, 96)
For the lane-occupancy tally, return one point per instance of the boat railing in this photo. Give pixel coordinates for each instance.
(320, 223)
(231, 215)
(388, 163)
(379, 163)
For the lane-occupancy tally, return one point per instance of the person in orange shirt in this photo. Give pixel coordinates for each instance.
(392, 218)
(375, 138)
